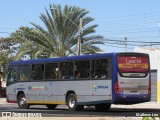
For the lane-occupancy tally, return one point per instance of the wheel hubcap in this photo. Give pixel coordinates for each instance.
(72, 102)
(22, 102)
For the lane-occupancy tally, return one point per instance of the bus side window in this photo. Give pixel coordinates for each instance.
(12, 75)
(50, 69)
(77, 74)
(24, 72)
(38, 72)
(99, 69)
(66, 69)
(82, 69)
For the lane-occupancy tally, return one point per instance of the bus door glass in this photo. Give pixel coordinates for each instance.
(12, 74)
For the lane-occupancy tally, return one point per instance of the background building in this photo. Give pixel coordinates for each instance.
(154, 54)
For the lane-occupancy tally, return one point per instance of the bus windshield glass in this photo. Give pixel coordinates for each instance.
(133, 63)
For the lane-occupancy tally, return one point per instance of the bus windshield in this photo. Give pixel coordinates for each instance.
(133, 63)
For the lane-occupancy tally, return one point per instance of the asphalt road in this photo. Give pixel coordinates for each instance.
(62, 111)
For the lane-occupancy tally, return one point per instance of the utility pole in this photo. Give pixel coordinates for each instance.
(80, 31)
(125, 44)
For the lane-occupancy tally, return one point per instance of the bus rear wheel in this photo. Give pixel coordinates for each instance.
(102, 107)
(72, 103)
(22, 102)
(51, 106)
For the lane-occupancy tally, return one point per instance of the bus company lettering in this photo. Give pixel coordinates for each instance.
(133, 61)
(102, 87)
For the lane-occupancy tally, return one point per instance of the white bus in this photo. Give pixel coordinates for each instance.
(76, 81)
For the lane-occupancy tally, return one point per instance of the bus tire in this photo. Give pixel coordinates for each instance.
(51, 106)
(102, 107)
(22, 102)
(72, 103)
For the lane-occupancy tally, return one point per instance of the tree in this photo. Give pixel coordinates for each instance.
(26, 48)
(7, 53)
(60, 35)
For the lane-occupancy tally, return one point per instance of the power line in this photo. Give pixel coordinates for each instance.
(135, 45)
(129, 41)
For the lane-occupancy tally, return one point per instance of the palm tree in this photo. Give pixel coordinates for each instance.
(28, 50)
(60, 35)
(26, 47)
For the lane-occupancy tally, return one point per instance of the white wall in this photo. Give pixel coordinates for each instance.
(154, 56)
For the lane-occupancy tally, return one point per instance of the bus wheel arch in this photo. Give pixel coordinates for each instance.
(21, 100)
(19, 93)
(71, 101)
(67, 94)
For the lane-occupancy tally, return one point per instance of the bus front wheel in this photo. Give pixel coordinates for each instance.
(22, 102)
(102, 107)
(72, 103)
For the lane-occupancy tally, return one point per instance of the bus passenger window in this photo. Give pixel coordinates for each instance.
(77, 74)
(100, 69)
(38, 72)
(50, 69)
(82, 69)
(66, 69)
(24, 72)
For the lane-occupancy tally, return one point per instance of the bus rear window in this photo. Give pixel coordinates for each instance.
(133, 63)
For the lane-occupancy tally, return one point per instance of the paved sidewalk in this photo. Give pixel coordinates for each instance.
(3, 101)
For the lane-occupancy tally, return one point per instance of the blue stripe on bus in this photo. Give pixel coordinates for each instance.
(62, 59)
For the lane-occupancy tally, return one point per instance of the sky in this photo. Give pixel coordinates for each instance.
(117, 20)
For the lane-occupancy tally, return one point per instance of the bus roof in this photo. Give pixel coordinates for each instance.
(71, 58)
(62, 59)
